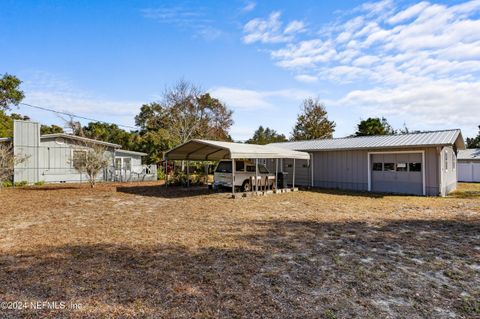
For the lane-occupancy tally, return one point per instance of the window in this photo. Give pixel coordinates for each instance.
(262, 169)
(224, 167)
(389, 167)
(401, 167)
(377, 166)
(127, 163)
(118, 163)
(289, 165)
(79, 158)
(250, 168)
(446, 160)
(239, 166)
(415, 167)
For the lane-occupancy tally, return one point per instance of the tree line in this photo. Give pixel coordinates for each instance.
(185, 112)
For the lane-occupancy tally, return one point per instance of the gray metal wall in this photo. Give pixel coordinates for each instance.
(349, 170)
(26, 140)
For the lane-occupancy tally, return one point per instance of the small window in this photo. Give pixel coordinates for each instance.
(401, 167)
(224, 167)
(446, 160)
(250, 168)
(127, 163)
(262, 169)
(118, 163)
(79, 158)
(389, 167)
(377, 167)
(415, 167)
(239, 166)
(289, 165)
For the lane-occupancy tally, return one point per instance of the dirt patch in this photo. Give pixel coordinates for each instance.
(140, 250)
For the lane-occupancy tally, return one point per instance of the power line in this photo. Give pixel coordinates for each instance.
(75, 116)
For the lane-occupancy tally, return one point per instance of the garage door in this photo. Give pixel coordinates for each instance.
(397, 173)
(469, 172)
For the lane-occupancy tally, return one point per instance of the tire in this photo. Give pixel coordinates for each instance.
(246, 187)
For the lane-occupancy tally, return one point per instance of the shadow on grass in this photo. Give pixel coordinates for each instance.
(286, 269)
(340, 192)
(165, 192)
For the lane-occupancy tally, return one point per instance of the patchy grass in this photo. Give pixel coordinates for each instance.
(140, 250)
(467, 190)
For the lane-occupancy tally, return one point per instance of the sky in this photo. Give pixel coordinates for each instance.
(415, 63)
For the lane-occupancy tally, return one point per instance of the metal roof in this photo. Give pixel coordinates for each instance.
(79, 138)
(202, 150)
(131, 152)
(469, 154)
(423, 139)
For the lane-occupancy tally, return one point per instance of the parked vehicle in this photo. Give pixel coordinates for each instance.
(244, 171)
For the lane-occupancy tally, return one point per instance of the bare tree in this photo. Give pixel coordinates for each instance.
(7, 162)
(90, 160)
(74, 127)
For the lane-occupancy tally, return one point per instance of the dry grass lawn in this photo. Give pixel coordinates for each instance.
(139, 250)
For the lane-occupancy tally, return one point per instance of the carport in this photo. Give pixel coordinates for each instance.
(207, 150)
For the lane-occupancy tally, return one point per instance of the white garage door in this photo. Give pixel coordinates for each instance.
(469, 172)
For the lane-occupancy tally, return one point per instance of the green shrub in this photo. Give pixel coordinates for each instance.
(39, 183)
(160, 174)
(21, 184)
(7, 184)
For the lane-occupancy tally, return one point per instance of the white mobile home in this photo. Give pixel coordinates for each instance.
(51, 158)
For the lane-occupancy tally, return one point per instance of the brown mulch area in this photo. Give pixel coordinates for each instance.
(140, 250)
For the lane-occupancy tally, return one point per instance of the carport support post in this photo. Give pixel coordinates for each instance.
(276, 174)
(293, 183)
(166, 172)
(256, 175)
(188, 173)
(233, 178)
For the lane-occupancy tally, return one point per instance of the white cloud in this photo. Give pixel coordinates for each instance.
(249, 7)
(51, 91)
(294, 27)
(431, 104)
(306, 78)
(197, 21)
(421, 59)
(271, 30)
(251, 99)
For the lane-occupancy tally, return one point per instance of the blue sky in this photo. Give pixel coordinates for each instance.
(413, 62)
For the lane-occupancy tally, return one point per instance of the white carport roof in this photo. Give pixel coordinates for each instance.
(206, 150)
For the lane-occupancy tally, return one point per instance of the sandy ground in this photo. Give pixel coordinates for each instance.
(139, 250)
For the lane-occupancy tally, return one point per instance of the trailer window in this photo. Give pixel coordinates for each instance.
(224, 167)
(79, 158)
(415, 167)
(262, 169)
(377, 166)
(240, 166)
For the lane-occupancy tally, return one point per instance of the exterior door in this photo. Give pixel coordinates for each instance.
(400, 173)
